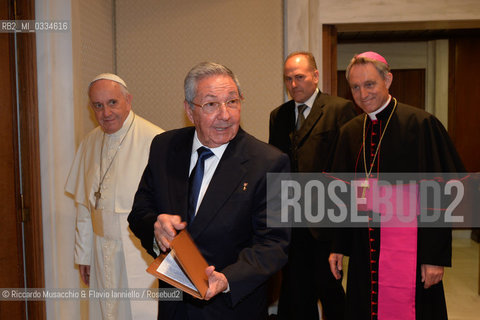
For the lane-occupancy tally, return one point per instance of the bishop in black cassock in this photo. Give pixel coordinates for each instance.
(391, 137)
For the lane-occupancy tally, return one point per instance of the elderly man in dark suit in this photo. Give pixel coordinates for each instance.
(226, 212)
(305, 128)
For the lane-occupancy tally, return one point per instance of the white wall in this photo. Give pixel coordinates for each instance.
(400, 55)
(93, 53)
(159, 41)
(56, 136)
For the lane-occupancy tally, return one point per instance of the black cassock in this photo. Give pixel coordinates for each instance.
(414, 141)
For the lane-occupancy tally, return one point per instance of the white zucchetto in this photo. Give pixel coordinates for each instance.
(108, 76)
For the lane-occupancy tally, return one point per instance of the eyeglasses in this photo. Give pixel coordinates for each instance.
(214, 106)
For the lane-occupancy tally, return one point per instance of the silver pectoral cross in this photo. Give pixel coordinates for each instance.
(97, 195)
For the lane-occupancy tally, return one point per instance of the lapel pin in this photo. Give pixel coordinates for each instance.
(245, 184)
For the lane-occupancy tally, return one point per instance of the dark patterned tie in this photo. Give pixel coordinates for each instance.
(301, 117)
(196, 178)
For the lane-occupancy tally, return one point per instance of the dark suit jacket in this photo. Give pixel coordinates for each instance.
(230, 227)
(309, 148)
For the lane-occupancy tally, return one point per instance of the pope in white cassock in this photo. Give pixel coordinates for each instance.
(103, 180)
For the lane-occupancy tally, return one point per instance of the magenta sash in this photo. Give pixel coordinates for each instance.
(399, 207)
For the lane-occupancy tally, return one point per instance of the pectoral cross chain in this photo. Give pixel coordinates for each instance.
(98, 194)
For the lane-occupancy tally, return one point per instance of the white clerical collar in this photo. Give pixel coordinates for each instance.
(218, 151)
(373, 115)
(310, 101)
(125, 126)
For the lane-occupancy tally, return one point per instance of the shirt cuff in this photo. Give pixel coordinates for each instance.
(228, 289)
(156, 249)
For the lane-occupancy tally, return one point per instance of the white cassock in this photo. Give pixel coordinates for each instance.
(103, 239)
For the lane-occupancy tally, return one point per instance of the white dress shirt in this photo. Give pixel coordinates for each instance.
(308, 103)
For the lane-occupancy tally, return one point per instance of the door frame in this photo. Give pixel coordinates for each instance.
(28, 199)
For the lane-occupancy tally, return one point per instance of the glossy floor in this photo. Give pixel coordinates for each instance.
(461, 281)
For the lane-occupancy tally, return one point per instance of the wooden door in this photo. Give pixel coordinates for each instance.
(463, 113)
(21, 257)
(329, 59)
(464, 94)
(11, 252)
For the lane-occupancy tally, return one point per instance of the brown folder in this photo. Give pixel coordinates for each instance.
(190, 260)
